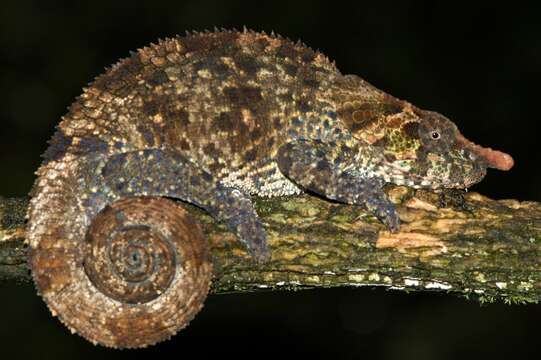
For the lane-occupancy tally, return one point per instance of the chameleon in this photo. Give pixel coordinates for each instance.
(216, 118)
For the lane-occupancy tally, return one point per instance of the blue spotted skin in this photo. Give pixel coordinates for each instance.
(316, 166)
(156, 173)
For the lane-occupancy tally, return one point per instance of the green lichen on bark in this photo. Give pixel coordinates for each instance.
(13, 251)
(473, 246)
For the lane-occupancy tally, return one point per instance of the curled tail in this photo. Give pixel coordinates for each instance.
(123, 272)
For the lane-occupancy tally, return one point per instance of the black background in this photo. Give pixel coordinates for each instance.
(479, 65)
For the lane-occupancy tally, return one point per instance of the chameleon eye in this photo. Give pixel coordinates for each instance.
(435, 135)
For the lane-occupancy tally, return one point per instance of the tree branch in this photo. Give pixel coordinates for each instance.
(473, 246)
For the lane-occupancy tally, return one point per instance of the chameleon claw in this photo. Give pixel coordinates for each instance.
(392, 221)
(385, 212)
(250, 231)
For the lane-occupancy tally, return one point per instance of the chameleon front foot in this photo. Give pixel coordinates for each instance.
(385, 212)
(318, 166)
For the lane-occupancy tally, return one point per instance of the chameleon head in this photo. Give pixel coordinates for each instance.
(424, 149)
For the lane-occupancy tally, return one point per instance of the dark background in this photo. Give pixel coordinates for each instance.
(478, 65)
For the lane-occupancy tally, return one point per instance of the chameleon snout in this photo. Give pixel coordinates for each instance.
(493, 158)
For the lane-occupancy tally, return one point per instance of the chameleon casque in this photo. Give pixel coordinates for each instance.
(212, 119)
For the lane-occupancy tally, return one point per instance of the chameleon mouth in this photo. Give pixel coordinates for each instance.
(493, 158)
(472, 174)
(472, 177)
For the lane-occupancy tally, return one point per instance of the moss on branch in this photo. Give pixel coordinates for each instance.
(471, 245)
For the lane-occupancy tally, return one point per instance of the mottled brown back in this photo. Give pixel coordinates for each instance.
(222, 98)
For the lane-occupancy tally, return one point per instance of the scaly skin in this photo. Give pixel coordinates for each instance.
(212, 118)
(257, 113)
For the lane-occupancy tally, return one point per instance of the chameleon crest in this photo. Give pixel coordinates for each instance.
(212, 119)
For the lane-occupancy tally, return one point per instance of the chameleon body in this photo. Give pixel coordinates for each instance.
(217, 117)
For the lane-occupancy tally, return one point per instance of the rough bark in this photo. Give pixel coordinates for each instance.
(470, 245)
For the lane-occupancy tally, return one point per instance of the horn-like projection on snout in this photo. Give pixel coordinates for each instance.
(493, 158)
